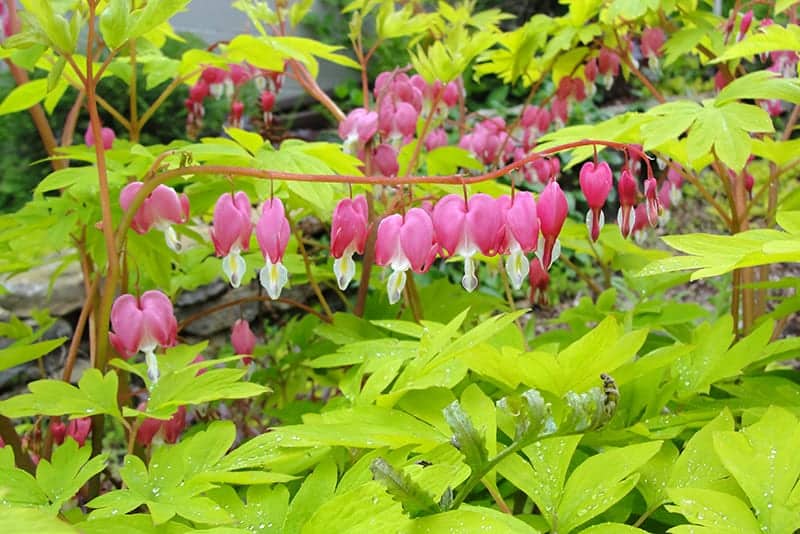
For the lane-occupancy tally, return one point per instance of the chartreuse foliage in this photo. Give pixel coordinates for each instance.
(635, 412)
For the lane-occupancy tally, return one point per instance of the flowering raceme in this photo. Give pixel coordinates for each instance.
(405, 242)
(161, 209)
(349, 231)
(272, 232)
(231, 232)
(142, 325)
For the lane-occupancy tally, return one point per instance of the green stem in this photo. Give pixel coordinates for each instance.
(477, 475)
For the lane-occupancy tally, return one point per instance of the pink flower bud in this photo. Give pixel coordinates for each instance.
(552, 210)
(596, 183)
(242, 338)
(405, 242)
(272, 232)
(349, 230)
(58, 430)
(107, 134)
(385, 159)
(627, 191)
(78, 429)
(747, 19)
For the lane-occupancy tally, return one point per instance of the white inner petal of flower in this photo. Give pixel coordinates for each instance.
(345, 269)
(273, 277)
(469, 280)
(395, 286)
(152, 365)
(171, 237)
(234, 267)
(518, 267)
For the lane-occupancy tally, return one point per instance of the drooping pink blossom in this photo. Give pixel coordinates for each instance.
(58, 430)
(521, 234)
(78, 429)
(590, 70)
(230, 233)
(437, 138)
(652, 41)
(467, 228)
(652, 203)
(160, 209)
(272, 232)
(559, 109)
(142, 325)
(596, 182)
(349, 230)
(405, 242)
(608, 66)
(166, 430)
(552, 208)
(357, 129)
(385, 159)
(627, 191)
(237, 111)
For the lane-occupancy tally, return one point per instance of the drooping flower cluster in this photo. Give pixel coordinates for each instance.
(78, 429)
(219, 83)
(463, 227)
(400, 102)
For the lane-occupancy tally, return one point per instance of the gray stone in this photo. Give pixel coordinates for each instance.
(223, 319)
(29, 291)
